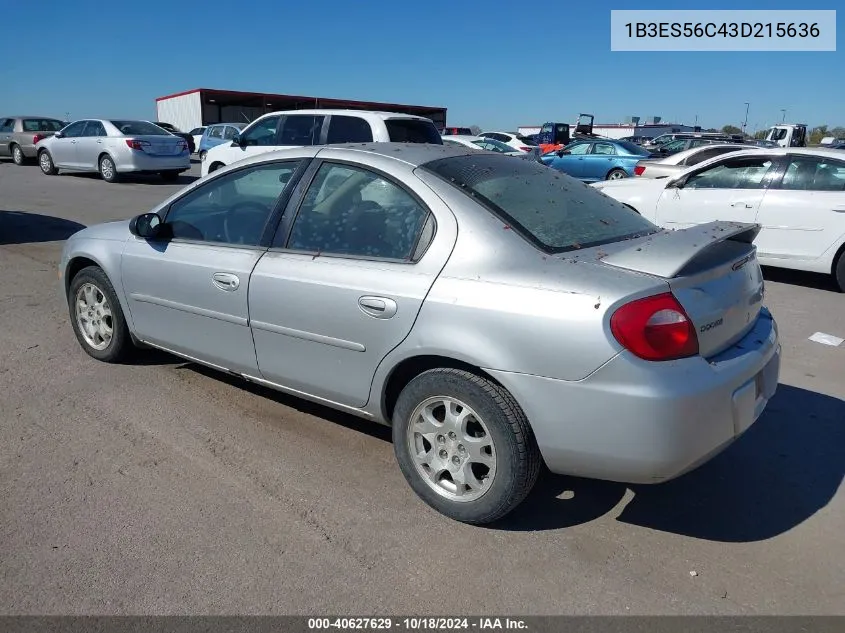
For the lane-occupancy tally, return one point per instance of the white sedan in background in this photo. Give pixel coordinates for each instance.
(479, 142)
(676, 163)
(517, 141)
(796, 194)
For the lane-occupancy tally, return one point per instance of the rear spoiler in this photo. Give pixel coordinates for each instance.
(667, 253)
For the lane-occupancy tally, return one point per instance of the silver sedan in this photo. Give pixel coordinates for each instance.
(497, 314)
(114, 147)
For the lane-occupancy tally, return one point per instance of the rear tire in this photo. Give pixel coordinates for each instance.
(108, 170)
(839, 271)
(616, 174)
(17, 155)
(170, 176)
(96, 316)
(482, 466)
(45, 161)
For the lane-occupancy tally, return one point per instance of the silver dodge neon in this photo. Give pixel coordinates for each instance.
(495, 313)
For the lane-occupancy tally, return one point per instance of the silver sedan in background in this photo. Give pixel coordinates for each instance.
(676, 163)
(114, 147)
(496, 313)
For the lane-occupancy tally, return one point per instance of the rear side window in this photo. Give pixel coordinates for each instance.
(230, 133)
(7, 125)
(348, 129)
(412, 131)
(215, 132)
(551, 210)
(42, 125)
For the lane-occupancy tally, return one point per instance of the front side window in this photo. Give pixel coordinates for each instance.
(806, 173)
(263, 133)
(74, 129)
(547, 208)
(353, 211)
(231, 209)
(735, 173)
(578, 149)
(229, 133)
(300, 129)
(349, 129)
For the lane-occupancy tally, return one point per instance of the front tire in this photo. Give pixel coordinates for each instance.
(17, 155)
(45, 161)
(616, 174)
(96, 316)
(464, 445)
(108, 170)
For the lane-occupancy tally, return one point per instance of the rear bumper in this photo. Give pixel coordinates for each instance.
(638, 422)
(29, 150)
(138, 162)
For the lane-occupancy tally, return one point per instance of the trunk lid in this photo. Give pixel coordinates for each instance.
(711, 269)
(170, 145)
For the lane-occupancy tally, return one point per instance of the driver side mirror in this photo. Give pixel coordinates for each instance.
(58, 135)
(147, 226)
(563, 152)
(677, 183)
(236, 141)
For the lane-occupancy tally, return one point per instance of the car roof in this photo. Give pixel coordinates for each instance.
(31, 116)
(365, 114)
(413, 154)
(465, 137)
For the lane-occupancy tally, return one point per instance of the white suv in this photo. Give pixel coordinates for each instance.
(295, 128)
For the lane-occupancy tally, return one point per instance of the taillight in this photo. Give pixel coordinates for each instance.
(38, 137)
(525, 149)
(638, 170)
(655, 328)
(135, 144)
(183, 145)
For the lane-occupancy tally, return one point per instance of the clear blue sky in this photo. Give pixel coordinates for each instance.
(497, 63)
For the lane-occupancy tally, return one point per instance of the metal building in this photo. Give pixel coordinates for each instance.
(203, 106)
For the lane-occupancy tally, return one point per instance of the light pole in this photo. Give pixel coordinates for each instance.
(745, 122)
(783, 118)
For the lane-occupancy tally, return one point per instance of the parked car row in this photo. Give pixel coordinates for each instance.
(20, 134)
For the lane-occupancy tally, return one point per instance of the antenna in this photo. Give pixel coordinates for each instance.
(246, 118)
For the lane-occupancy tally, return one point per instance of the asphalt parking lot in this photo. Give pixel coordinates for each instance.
(165, 488)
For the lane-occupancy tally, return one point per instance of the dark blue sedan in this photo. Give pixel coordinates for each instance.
(597, 159)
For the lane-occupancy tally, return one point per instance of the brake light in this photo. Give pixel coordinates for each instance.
(638, 170)
(38, 137)
(525, 149)
(655, 328)
(135, 144)
(183, 145)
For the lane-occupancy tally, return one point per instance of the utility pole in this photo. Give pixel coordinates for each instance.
(745, 122)
(783, 118)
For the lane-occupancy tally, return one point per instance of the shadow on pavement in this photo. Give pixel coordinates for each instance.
(786, 467)
(19, 227)
(800, 278)
(134, 179)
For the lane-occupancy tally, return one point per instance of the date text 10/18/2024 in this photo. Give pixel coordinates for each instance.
(416, 624)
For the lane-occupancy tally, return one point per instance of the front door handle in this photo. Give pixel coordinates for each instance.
(226, 281)
(378, 307)
(839, 209)
(742, 204)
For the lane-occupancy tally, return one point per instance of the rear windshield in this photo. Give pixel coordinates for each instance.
(553, 211)
(633, 148)
(525, 140)
(412, 131)
(168, 127)
(42, 125)
(138, 128)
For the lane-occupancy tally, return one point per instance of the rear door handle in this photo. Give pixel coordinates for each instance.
(226, 281)
(742, 204)
(839, 209)
(100, 141)
(378, 307)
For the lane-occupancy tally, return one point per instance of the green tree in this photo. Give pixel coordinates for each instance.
(731, 129)
(817, 134)
(760, 134)
(838, 132)
(475, 129)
